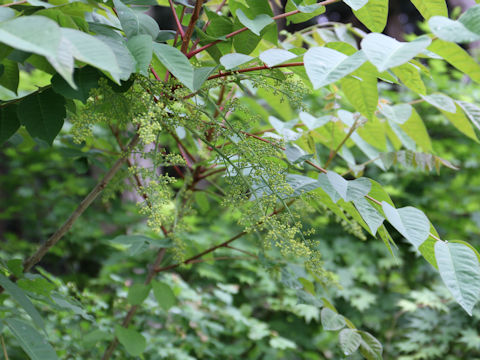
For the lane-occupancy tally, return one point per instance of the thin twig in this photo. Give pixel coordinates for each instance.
(362, 165)
(177, 20)
(207, 24)
(223, 258)
(256, 68)
(14, 3)
(335, 152)
(44, 248)
(177, 33)
(213, 172)
(222, 245)
(242, 251)
(4, 348)
(185, 153)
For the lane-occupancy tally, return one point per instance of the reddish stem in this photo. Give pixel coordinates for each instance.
(191, 25)
(154, 73)
(177, 20)
(256, 68)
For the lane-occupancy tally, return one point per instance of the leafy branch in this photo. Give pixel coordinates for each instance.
(239, 31)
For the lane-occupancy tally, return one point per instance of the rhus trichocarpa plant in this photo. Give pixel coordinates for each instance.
(224, 118)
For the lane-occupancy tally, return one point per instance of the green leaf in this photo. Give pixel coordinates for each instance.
(177, 63)
(309, 10)
(246, 41)
(326, 186)
(464, 30)
(137, 244)
(332, 320)
(410, 75)
(301, 184)
(35, 34)
(374, 15)
(15, 266)
(355, 4)
(324, 65)
(31, 341)
(231, 61)
(42, 114)
(456, 57)
(117, 44)
(385, 52)
(349, 340)
(90, 50)
(368, 212)
(370, 347)
(312, 122)
(461, 122)
(137, 293)
(295, 154)
(429, 8)
(460, 271)
(441, 101)
(361, 89)
(415, 128)
(164, 295)
(472, 111)
(135, 23)
(272, 57)
(64, 62)
(37, 284)
(19, 296)
(409, 221)
(141, 48)
(9, 122)
(200, 75)
(86, 79)
(412, 159)
(132, 340)
(257, 24)
(349, 190)
(10, 77)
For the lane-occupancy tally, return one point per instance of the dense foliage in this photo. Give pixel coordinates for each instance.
(221, 191)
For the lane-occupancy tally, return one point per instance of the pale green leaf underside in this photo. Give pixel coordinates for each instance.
(325, 66)
(35, 34)
(331, 320)
(460, 271)
(409, 221)
(254, 25)
(465, 29)
(386, 52)
(349, 340)
(355, 4)
(272, 57)
(231, 61)
(441, 101)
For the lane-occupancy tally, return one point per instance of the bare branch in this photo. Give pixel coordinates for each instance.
(40, 253)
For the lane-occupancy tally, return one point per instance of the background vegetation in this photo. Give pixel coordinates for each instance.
(148, 271)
